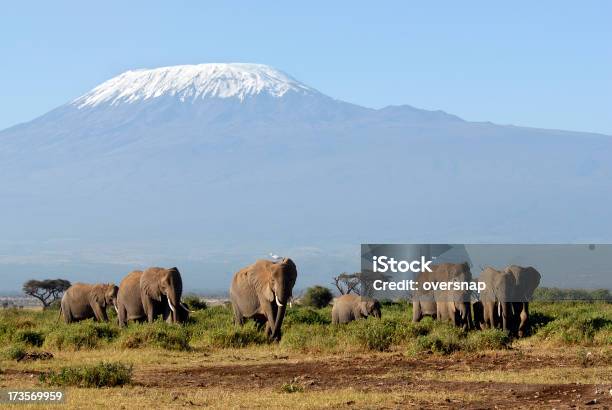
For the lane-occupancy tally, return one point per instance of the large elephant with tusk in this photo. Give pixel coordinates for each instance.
(154, 292)
(261, 292)
(84, 301)
(160, 289)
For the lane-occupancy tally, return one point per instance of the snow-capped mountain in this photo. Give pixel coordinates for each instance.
(189, 83)
(209, 166)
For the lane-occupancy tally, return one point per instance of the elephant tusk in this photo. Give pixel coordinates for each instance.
(278, 302)
(499, 309)
(171, 307)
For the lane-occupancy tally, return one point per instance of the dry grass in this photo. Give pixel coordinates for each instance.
(216, 398)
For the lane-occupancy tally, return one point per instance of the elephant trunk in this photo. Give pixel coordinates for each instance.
(174, 294)
(280, 314)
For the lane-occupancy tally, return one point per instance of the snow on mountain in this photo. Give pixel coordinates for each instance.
(192, 82)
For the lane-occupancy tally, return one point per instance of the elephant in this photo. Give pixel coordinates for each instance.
(497, 299)
(527, 279)
(261, 292)
(83, 301)
(161, 289)
(143, 296)
(453, 305)
(351, 307)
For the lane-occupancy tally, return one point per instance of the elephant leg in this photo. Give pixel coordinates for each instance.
(268, 329)
(270, 313)
(121, 316)
(507, 317)
(238, 318)
(416, 312)
(489, 315)
(148, 308)
(334, 317)
(99, 313)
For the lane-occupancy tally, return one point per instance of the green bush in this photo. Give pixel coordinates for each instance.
(313, 338)
(374, 334)
(193, 302)
(236, 337)
(6, 331)
(100, 375)
(157, 335)
(14, 352)
(82, 335)
(29, 337)
(444, 339)
(576, 328)
(488, 339)
(305, 316)
(317, 297)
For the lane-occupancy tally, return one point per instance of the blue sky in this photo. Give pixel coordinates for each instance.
(543, 64)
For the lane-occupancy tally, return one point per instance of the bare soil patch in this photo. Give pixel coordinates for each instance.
(394, 374)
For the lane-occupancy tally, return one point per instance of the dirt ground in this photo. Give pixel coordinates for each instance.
(472, 381)
(396, 373)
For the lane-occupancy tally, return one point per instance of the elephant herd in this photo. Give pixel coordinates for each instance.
(504, 302)
(261, 292)
(141, 296)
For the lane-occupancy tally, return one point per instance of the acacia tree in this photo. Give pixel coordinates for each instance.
(347, 283)
(47, 291)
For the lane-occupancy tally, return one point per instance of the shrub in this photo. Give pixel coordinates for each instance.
(157, 335)
(99, 375)
(193, 302)
(488, 339)
(305, 316)
(29, 337)
(317, 297)
(444, 339)
(576, 328)
(236, 337)
(6, 331)
(14, 351)
(374, 334)
(312, 338)
(83, 335)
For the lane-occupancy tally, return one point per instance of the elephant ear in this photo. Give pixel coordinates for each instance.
(260, 278)
(150, 288)
(97, 296)
(268, 294)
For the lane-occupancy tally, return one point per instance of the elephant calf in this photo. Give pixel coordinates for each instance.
(84, 301)
(352, 307)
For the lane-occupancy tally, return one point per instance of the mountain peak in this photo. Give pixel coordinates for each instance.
(193, 82)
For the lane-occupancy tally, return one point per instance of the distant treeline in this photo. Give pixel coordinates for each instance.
(551, 294)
